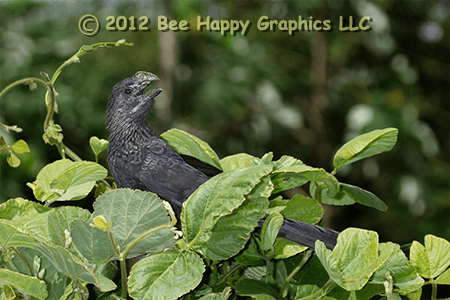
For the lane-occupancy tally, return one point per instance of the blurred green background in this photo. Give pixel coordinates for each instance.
(303, 95)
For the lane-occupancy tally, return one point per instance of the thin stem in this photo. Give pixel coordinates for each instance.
(123, 271)
(123, 265)
(433, 291)
(328, 286)
(267, 271)
(194, 240)
(305, 258)
(71, 154)
(172, 223)
(225, 278)
(143, 236)
(61, 151)
(27, 80)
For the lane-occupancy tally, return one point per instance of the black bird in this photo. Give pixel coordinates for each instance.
(139, 158)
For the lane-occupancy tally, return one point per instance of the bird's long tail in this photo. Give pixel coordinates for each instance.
(306, 234)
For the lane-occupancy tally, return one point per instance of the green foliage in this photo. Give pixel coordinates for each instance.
(61, 252)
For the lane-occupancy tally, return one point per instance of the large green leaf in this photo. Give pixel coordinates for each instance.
(165, 275)
(231, 232)
(20, 211)
(348, 194)
(405, 277)
(185, 143)
(284, 249)
(355, 258)
(12, 236)
(303, 209)
(238, 161)
(219, 196)
(28, 216)
(91, 241)
(134, 212)
(68, 264)
(284, 177)
(25, 284)
(65, 180)
(431, 260)
(289, 172)
(59, 220)
(365, 145)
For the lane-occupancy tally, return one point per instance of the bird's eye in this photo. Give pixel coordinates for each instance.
(128, 91)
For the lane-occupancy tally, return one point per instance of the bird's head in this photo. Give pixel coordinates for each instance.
(128, 103)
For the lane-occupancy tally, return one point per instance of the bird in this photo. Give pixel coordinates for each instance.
(139, 158)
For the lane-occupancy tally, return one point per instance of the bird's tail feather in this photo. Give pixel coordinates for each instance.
(306, 234)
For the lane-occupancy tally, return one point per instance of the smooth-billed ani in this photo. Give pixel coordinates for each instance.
(139, 158)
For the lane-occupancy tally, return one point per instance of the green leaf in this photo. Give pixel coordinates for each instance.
(56, 282)
(3, 144)
(284, 177)
(263, 189)
(348, 194)
(431, 260)
(444, 278)
(291, 173)
(92, 242)
(59, 220)
(13, 160)
(250, 255)
(417, 295)
(238, 161)
(270, 230)
(9, 292)
(256, 289)
(284, 249)
(225, 294)
(134, 212)
(20, 147)
(187, 144)
(20, 212)
(65, 180)
(355, 258)
(405, 277)
(231, 232)
(68, 264)
(98, 145)
(303, 209)
(25, 284)
(166, 275)
(219, 196)
(365, 145)
(310, 279)
(11, 236)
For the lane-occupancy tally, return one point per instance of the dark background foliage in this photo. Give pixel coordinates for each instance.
(302, 95)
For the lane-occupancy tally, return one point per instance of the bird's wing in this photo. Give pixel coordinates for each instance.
(166, 174)
(200, 165)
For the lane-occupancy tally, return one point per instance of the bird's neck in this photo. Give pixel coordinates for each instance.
(131, 131)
